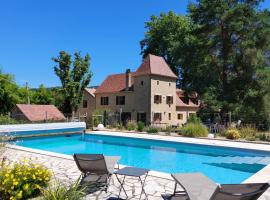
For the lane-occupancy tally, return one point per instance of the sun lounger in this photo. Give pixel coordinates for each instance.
(96, 168)
(197, 186)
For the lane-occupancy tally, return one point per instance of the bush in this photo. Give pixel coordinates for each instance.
(194, 119)
(264, 137)
(250, 138)
(23, 180)
(153, 129)
(248, 132)
(194, 130)
(232, 133)
(140, 126)
(59, 191)
(131, 125)
(167, 130)
(7, 120)
(119, 126)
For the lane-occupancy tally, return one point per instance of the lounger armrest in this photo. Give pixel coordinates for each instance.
(242, 194)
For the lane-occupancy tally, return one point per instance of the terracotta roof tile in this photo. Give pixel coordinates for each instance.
(38, 112)
(114, 83)
(180, 103)
(155, 65)
(152, 65)
(91, 91)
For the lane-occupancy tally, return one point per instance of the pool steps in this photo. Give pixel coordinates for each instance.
(244, 160)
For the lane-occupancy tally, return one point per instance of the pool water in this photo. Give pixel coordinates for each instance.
(222, 164)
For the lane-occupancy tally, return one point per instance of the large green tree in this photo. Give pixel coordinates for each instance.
(74, 76)
(169, 35)
(223, 51)
(236, 38)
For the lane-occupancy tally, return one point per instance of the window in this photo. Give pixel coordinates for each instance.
(157, 117)
(169, 99)
(170, 116)
(120, 100)
(157, 82)
(157, 99)
(84, 103)
(141, 82)
(180, 116)
(104, 101)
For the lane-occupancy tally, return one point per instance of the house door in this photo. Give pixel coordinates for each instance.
(141, 117)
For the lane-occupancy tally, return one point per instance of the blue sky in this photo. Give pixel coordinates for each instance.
(32, 32)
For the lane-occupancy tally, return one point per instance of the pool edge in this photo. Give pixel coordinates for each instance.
(208, 142)
(69, 157)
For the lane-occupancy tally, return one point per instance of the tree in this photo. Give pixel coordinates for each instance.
(8, 93)
(168, 35)
(223, 52)
(236, 38)
(74, 76)
(42, 96)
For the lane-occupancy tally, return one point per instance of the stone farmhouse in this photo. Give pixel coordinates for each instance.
(149, 95)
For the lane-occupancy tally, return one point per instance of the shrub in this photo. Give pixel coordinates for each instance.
(247, 132)
(119, 126)
(264, 137)
(232, 133)
(59, 191)
(140, 126)
(167, 130)
(23, 180)
(193, 119)
(131, 125)
(194, 130)
(153, 129)
(250, 138)
(7, 120)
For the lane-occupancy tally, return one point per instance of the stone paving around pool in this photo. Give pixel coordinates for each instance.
(66, 171)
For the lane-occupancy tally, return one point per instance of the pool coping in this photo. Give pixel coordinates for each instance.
(260, 176)
(69, 157)
(201, 141)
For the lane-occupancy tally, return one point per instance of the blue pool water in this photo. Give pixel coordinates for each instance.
(223, 165)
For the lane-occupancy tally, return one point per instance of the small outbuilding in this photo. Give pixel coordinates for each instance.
(37, 113)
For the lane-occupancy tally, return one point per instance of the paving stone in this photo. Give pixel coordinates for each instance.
(66, 171)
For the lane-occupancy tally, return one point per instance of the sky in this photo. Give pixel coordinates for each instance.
(32, 32)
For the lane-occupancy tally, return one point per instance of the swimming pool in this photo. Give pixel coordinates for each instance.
(222, 164)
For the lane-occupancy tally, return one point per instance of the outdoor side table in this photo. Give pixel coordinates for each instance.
(134, 172)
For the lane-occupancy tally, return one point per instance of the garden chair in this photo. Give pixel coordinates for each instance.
(96, 169)
(196, 186)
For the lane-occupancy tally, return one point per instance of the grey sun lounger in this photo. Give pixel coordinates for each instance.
(96, 169)
(199, 187)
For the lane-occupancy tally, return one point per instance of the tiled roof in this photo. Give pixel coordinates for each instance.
(155, 65)
(180, 102)
(39, 112)
(91, 91)
(181, 93)
(152, 65)
(114, 83)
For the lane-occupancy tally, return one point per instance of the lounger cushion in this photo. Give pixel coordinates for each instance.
(197, 185)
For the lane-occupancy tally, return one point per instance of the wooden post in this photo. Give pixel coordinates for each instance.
(46, 116)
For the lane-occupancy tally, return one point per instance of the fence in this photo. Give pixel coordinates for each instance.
(216, 122)
(44, 118)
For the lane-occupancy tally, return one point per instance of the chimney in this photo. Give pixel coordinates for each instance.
(128, 79)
